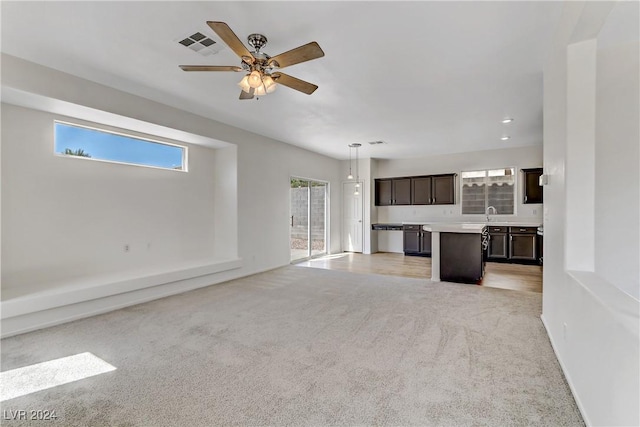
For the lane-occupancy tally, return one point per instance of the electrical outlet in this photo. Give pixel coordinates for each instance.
(535, 211)
(127, 247)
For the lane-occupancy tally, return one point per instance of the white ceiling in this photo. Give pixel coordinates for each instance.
(425, 77)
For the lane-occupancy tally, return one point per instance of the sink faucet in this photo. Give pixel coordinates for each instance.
(489, 210)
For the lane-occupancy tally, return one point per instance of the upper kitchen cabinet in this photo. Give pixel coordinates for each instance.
(443, 189)
(433, 190)
(532, 188)
(393, 191)
(417, 190)
(401, 191)
(421, 190)
(384, 196)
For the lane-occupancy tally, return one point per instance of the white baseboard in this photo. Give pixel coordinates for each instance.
(576, 397)
(57, 305)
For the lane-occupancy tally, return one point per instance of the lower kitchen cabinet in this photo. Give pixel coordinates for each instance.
(498, 248)
(513, 244)
(425, 243)
(523, 243)
(411, 242)
(416, 240)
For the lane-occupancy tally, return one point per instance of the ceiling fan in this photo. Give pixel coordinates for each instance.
(263, 75)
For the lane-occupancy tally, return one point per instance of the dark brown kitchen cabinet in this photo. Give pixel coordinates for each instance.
(416, 190)
(532, 190)
(443, 189)
(411, 240)
(401, 191)
(421, 190)
(498, 248)
(513, 244)
(384, 195)
(393, 191)
(416, 240)
(523, 243)
(425, 243)
(461, 257)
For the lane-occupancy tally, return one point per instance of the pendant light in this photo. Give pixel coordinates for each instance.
(350, 176)
(357, 186)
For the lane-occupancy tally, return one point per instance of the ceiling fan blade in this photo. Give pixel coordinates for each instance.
(293, 83)
(229, 37)
(210, 68)
(245, 95)
(300, 54)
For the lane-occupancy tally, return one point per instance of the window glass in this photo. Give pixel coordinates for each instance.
(481, 189)
(84, 142)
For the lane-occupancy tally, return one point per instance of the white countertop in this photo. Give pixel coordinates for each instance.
(452, 227)
(496, 223)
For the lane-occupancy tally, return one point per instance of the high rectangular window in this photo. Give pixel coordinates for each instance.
(86, 142)
(495, 187)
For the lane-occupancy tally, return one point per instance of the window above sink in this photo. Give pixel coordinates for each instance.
(484, 188)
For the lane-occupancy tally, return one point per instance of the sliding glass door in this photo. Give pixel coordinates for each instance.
(308, 218)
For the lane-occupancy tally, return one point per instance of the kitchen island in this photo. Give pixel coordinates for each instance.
(456, 251)
(460, 259)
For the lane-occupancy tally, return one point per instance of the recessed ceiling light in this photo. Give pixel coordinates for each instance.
(507, 120)
(504, 138)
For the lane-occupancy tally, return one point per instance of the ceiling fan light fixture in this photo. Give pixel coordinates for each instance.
(260, 91)
(269, 83)
(244, 84)
(255, 79)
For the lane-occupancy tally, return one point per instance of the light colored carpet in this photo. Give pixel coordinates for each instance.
(303, 346)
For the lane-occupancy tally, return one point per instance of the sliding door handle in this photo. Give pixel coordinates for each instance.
(292, 220)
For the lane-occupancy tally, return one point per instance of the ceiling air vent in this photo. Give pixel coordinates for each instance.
(376, 142)
(200, 43)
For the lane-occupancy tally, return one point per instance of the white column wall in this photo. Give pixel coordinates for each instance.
(592, 323)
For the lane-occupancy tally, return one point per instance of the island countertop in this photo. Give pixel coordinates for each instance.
(529, 223)
(454, 227)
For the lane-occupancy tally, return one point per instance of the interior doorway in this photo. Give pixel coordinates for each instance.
(308, 218)
(352, 211)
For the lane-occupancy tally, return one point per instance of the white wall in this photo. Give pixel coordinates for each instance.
(592, 323)
(258, 233)
(66, 217)
(617, 174)
(522, 157)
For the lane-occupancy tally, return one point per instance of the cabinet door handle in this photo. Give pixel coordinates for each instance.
(292, 220)
(434, 200)
(525, 199)
(511, 238)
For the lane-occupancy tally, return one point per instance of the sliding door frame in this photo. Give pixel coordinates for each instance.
(327, 201)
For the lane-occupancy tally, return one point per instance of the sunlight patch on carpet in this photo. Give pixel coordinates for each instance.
(41, 376)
